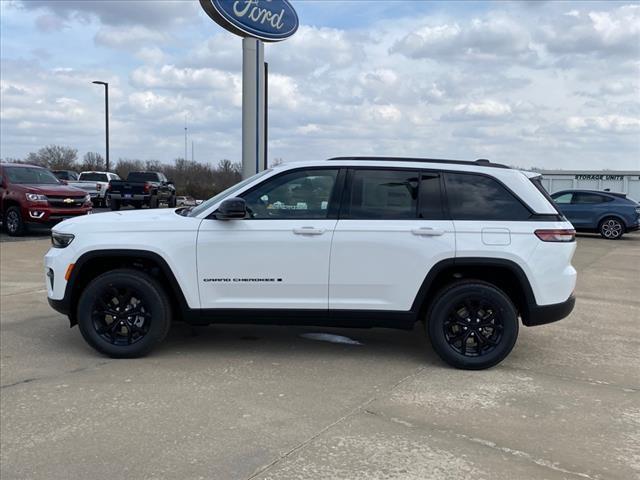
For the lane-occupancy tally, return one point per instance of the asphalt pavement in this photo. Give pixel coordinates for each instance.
(247, 402)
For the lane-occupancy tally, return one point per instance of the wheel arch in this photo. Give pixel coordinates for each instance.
(94, 263)
(617, 216)
(505, 274)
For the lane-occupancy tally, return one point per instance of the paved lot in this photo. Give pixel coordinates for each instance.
(254, 402)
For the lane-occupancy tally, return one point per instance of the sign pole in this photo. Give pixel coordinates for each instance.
(253, 103)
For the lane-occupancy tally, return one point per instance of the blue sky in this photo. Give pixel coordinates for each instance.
(547, 84)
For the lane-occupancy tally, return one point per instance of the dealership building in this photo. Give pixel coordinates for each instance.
(613, 180)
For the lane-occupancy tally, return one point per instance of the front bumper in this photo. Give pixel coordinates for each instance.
(543, 314)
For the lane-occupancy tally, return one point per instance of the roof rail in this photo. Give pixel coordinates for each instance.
(482, 162)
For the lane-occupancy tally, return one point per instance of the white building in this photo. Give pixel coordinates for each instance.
(613, 180)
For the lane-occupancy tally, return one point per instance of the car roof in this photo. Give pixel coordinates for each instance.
(483, 162)
(20, 165)
(584, 190)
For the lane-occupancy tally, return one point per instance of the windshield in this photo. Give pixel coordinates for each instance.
(34, 176)
(143, 177)
(225, 193)
(94, 177)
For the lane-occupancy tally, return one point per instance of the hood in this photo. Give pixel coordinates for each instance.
(51, 189)
(123, 222)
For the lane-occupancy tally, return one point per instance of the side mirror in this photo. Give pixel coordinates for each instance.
(232, 208)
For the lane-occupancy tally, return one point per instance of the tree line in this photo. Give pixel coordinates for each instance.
(199, 180)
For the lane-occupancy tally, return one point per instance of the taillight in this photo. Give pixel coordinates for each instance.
(98, 187)
(147, 185)
(556, 235)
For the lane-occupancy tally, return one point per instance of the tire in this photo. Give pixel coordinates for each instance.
(153, 202)
(137, 205)
(611, 228)
(115, 205)
(172, 201)
(130, 338)
(471, 343)
(106, 202)
(13, 223)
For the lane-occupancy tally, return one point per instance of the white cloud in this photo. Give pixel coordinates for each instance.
(485, 109)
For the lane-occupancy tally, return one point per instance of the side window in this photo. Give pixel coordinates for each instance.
(430, 197)
(563, 199)
(581, 198)
(303, 194)
(383, 195)
(476, 197)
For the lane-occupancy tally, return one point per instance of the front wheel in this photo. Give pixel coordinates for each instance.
(611, 228)
(472, 325)
(124, 313)
(13, 222)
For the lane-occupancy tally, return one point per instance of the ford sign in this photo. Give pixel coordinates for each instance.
(268, 20)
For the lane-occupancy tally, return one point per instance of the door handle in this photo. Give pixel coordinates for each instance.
(308, 231)
(428, 232)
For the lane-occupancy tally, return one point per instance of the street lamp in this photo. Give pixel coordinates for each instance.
(106, 115)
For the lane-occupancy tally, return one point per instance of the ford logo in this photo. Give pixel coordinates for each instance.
(268, 20)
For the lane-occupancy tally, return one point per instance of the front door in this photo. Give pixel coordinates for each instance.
(392, 230)
(277, 257)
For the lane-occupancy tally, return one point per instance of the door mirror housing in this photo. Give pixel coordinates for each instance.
(232, 208)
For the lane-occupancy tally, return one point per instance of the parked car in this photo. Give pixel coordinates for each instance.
(142, 188)
(610, 214)
(470, 248)
(96, 185)
(33, 195)
(182, 201)
(66, 175)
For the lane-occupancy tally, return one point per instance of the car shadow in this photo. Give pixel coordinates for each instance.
(295, 342)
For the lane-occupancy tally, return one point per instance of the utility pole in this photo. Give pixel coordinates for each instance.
(106, 117)
(185, 137)
(192, 154)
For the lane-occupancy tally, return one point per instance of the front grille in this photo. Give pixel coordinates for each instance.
(64, 201)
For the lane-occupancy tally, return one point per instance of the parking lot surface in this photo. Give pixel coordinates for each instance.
(231, 402)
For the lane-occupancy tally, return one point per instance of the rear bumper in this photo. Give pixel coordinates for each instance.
(542, 314)
(119, 197)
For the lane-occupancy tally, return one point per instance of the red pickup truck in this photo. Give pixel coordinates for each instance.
(33, 195)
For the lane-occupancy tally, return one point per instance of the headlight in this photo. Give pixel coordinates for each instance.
(61, 240)
(36, 197)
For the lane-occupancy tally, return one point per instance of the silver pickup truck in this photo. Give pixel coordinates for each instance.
(96, 185)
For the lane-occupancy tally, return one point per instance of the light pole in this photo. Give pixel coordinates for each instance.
(106, 116)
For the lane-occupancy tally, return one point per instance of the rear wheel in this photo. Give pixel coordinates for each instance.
(13, 223)
(153, 202)
(611, 228)
(472, 325)
(172, 201)
(124, 313)
(115, 205)
(137, 205)
(106, 202)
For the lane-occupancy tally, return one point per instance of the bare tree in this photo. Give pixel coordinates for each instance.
(55, 157)
(92, 161)
(126, 165)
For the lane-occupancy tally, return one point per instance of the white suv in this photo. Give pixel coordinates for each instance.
(470, 248)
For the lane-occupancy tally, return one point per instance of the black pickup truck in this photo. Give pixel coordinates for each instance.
(142, 188)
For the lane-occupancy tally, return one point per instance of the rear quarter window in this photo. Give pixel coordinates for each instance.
(478, 197)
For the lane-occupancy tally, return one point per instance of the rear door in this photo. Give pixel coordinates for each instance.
(391, 231)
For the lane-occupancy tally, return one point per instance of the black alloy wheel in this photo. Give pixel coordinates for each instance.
(124, 313)
(120, 316)
(611, 228)
(472, 325)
